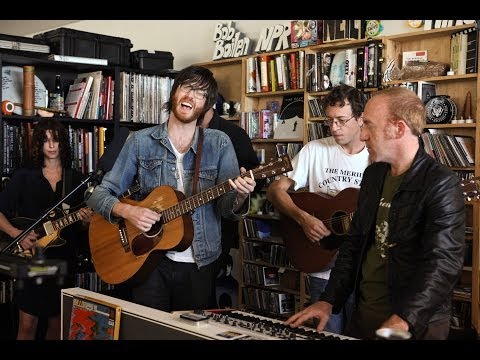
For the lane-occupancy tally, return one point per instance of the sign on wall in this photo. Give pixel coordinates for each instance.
(229, 42)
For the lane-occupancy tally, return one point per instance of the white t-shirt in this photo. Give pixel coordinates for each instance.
(324, 167)
(186, 255)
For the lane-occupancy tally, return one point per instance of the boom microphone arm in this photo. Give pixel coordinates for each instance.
(105, 164)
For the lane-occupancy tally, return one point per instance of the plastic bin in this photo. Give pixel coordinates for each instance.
(71, 42)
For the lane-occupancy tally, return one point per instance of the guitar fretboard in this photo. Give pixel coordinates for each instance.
(66, 220)
(280, 166)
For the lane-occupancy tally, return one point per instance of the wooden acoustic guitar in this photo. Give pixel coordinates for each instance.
(335, 212)
(122, 253)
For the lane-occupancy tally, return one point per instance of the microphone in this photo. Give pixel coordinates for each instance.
(106, 162)
(96, 178)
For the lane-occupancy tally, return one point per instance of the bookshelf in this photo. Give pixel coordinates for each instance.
(437, 43)
(46, 70)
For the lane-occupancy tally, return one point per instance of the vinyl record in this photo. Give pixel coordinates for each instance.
(440, 110)
(337, 71)
(12, 88)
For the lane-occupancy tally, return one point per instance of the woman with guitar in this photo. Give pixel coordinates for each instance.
(169, 252)
(29, 193)
(332, 166)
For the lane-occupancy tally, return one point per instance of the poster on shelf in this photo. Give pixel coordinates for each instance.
(94, 319)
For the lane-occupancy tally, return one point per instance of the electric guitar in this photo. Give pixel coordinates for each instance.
(49, 231)
(335, 212)
(121, 252)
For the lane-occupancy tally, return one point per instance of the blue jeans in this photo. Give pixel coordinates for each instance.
(337, 322)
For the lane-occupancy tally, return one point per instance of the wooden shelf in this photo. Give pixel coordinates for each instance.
(437, 43)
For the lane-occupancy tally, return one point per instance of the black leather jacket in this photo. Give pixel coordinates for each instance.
(427, 239)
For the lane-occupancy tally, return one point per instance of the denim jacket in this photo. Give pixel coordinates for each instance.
(148, 154)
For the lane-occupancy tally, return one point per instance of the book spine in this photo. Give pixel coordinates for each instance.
(264, 78)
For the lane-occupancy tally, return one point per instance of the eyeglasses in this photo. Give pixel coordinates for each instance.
(338, 121)
(197, 93)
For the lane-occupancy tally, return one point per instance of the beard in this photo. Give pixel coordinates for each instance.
(184, 114)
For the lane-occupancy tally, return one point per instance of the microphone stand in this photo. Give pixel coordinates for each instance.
(91, 177)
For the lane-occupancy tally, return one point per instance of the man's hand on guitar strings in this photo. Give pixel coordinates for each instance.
(243, 185)
(141, 217)
(314, 229)
(85, 215)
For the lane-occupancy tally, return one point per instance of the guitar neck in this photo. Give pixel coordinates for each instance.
(280, 166)
(66, 220)
(195, 201)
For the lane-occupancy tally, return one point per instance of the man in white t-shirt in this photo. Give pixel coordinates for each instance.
(327, 166)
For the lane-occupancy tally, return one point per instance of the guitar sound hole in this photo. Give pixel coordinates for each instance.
(155, 230)
(340, 223)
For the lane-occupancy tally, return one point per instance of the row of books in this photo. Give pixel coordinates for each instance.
(15, 146)
(456, 151)
(91, 97)
(142, 97)
(461, 314)
(358, 67)
(257, 228)
(260, 275)
(87, 147)
(318, 130)
(270, 302)
(268, 253)
(290, 149)
(280, 72)
(6, 291)
(91, 281)
(464, 52)
(259, 124)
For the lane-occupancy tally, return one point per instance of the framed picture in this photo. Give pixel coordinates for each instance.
(426, 90)
(93, 319)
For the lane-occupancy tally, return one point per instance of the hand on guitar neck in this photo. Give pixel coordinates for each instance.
(122, 251)
(46, 234)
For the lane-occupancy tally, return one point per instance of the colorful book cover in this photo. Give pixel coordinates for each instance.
(93, 319)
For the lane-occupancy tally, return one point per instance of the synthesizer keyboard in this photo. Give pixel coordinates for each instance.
(242, 326)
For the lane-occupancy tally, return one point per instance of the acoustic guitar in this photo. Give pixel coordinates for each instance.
(122, 253)
(335, 212)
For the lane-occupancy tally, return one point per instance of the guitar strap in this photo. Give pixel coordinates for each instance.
(67, 182)
(198, 157)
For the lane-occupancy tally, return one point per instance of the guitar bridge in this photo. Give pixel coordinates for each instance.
(122, 231)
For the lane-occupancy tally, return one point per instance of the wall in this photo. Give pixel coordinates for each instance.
(190, 41)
